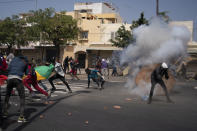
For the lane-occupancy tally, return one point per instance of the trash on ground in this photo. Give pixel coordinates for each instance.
(117, 107)
(69, 114)
(128, 99)
(46, 102)
(41, 116)
(86, 122)
(51, 102)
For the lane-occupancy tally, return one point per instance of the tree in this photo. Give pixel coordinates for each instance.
(140, 21)
(13, 32)
(123, 37)
(164, 16)
(57, 28)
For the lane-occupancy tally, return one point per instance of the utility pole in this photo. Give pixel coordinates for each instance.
(157, 7)
(36, 3)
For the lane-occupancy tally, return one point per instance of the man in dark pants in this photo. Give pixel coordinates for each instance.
(156, 77)
(58, 75)
(16, 70)
(93, 74)
(65, 64)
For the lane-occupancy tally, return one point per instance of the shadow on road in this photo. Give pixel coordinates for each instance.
(29, 111)
(7, 121)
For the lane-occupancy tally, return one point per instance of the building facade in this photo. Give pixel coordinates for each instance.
(98, 23)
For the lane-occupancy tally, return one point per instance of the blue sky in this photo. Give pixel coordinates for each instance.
(128, 9)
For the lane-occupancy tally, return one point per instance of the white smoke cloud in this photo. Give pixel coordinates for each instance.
(155, 43)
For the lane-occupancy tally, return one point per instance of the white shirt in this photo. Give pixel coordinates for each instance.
(58, 69)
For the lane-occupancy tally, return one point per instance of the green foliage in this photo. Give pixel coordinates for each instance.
(164, 16)
(123, 37)
(55, 28)
(140, 21)
(13, 32)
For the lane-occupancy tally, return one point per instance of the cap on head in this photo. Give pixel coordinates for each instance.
(164, 65)
(103, 59)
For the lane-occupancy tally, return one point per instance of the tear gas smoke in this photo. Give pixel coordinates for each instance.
(155, 43)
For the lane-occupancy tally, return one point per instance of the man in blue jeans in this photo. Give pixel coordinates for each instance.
(16, 70)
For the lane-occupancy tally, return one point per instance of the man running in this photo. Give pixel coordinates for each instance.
(58, 75)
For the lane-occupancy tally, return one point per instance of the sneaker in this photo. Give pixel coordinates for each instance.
(70, 91)
(21, 119)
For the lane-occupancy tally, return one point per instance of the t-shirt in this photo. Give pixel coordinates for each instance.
(58, 69)
(93, 74)
(103, 64)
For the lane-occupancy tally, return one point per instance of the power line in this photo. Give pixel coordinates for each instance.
(7, 2)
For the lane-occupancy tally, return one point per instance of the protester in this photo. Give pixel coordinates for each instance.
(9, 58)
(65, 64)
(98, 64)
(108, 66)
(114, 71)
(3, 65)
(70, 61)
(33, 62)
(96, 76)
(78, 66)
(104, 67)
(31, 79)
(59, 74)
(73, 71)
(16, 70)
(156, 77)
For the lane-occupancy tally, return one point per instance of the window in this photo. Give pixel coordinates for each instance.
(84, 35)
(113, 35)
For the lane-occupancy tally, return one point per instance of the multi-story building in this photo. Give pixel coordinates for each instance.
(98, 23)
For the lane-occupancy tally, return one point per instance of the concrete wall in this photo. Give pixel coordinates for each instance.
(107, 29)
(93, 28)
(97, 8)
(106, 9)
(188, 24)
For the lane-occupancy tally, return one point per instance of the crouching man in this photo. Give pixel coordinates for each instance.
(96, 77)
(156, 77)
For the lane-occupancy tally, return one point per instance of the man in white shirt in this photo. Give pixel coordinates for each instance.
(58, 75)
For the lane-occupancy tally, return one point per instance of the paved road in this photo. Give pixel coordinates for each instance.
(113, 108)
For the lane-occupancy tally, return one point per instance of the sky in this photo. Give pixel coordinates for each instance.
(129, 10)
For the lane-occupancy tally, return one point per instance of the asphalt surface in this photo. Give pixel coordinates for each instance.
(111, 109)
